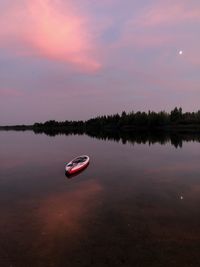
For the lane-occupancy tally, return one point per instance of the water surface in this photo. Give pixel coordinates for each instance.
(135, 205)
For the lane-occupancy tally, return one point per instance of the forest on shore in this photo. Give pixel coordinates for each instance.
(176, 119)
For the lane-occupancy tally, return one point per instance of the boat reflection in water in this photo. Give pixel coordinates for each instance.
(69, 176)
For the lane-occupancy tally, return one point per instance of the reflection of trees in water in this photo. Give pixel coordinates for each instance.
(134, 127)
(134, 137)
(140, 127)
(57, 131)
(142, 137)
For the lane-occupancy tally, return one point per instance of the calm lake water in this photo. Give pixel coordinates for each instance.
(135, 205)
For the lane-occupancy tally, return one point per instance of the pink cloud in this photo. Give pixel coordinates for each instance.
(7, 92)
(151, 27)
(168, 12)
(49, 29)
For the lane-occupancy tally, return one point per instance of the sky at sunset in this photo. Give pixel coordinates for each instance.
(76, 59)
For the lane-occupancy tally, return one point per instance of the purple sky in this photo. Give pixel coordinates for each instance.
(76, 59)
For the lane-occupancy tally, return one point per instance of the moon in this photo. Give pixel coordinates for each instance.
(180, 52)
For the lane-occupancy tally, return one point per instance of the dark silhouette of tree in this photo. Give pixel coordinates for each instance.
(176, 119)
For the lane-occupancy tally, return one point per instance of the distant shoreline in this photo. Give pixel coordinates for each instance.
(176, 136)
(176, 120)
(186, 128)
(175, 127)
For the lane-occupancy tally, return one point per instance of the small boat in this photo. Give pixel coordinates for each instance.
(77, 164)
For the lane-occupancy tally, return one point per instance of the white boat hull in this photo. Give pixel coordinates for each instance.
(77, 164)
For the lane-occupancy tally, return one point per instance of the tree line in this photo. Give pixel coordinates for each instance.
(126, 121)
